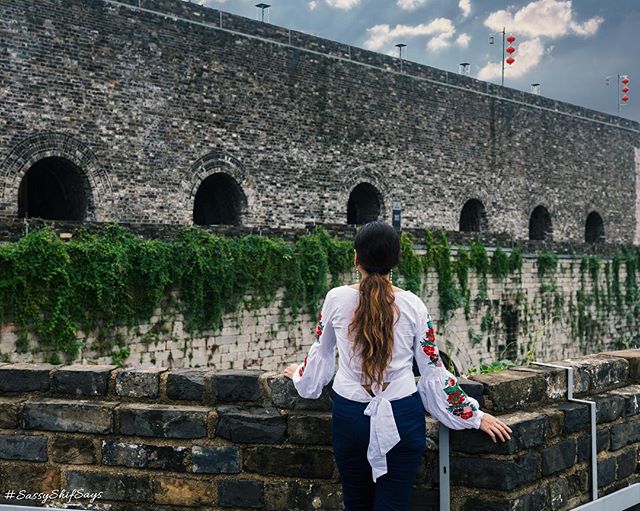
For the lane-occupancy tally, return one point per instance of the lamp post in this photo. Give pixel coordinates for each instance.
(622, 88)
(464, 68)
(400, 46)
(262, 7)
(510, 50)
(535, 88)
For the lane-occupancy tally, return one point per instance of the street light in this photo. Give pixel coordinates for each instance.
(400, 46)
(510, 50)
(622, 88)
(464, 68)
(263, 7)
(535, 88)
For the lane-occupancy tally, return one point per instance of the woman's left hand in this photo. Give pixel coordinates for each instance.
(288, 372)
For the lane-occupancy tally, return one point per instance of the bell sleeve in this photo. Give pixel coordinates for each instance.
(318, 366)
(441, 395)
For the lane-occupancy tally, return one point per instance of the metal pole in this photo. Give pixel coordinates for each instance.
(618, 92)
(443, 461)
(503, 34)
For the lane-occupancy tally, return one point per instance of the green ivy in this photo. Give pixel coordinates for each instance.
(547, 263)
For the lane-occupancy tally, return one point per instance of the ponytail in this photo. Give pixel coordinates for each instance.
(372, 323)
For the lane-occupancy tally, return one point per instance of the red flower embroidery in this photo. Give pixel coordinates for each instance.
(455, 398)
(430, 350)
(318, 331)
(304, 364)
(452, 382)
(467, 413)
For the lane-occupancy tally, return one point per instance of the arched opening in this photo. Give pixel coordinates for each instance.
(54, 188)
(594, 228)
(540, 224)
(364, 204)
(473, 217)
(219, 200)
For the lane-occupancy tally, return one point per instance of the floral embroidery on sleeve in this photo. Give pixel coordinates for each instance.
(458, 403)
(429, 347)
(319, 327)
(304, 364)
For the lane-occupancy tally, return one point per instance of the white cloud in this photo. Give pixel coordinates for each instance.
(465, 7)
(381, 36)
(528, 56)
(409, 5)
(463, 40)
(312, 5)
(342, 4)
(543, 18)
(438, 42)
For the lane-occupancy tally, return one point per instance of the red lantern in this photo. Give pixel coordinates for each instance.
(625, 80)
(510, 60)
(624, 99)
(511, 38)
(510, 50)
(625, 89)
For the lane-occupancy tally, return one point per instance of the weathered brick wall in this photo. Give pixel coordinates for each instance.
(523, 317)
(157, 439)
(148, 105)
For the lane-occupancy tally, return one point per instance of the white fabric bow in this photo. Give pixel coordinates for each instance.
(383, 434)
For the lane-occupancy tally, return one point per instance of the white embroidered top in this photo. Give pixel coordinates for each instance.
(414, 336)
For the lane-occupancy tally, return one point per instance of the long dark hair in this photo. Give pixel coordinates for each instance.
(378, 248)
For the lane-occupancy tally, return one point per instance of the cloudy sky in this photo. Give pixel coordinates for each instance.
(568, 47)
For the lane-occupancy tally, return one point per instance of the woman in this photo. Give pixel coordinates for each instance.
(378, 410)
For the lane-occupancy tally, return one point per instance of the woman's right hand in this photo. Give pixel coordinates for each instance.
(495, 428)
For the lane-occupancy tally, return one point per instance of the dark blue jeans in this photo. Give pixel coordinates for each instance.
(350, 428)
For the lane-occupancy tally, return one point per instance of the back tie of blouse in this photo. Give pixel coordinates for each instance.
(383, 431)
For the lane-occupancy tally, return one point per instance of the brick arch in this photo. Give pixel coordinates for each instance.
(218, 162)
(373, 176)
(36, 147)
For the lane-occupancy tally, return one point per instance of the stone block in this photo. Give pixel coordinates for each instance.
(134, 455)
(185, 492)
(79, 416)
(560, 456)
(83, 380)
(25, 377)
(584, 443)
(285, 395)
(139, 382)
(632, 356)
(626, 463)
(251, 425)
(32, 477)
(243, 493)
(23, 447)
(10, 410)
(186, 384)
(510, 390)
(473, 389)
(624, 433)
(536, 498)
(609, 407)
(309, 428)
(631, 395)
(555, 379)
(529, 429)
(135, 488)
(577, 416)
(237, 385)
(284, 461)
(606, 471)
(594, 373)
(163, 421)
(302, 496)
(213, 459)
(73, 450)
(495, 474)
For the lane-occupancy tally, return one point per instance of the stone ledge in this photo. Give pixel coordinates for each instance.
(500, 392)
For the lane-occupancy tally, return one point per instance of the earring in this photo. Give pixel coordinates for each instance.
(391, 275)
(356, 275)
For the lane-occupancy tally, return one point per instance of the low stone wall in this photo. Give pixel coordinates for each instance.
(162, 440)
